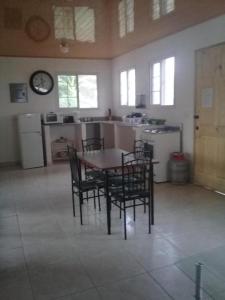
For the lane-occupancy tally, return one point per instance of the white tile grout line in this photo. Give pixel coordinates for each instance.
(25, 261)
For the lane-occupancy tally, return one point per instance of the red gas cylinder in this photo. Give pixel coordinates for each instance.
(178, 168)
(178, 156)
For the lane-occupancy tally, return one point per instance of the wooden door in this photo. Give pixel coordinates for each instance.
(209, 169)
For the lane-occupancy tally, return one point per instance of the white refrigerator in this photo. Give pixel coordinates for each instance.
(31, 143)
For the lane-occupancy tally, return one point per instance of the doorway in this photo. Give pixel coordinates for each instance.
(209, 168)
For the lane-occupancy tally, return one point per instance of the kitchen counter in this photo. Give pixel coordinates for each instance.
(118, 123)
(61, 124)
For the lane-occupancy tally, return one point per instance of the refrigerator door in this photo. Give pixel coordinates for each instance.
(31, 150)
(29, 123)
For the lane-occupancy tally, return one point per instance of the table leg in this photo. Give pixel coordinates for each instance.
(108, 206)
(152, 194)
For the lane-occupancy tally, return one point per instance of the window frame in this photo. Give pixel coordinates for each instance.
(162, 10)
(63, 7)
(162, 82)
(75, 24)
(125, 18)
(73, 19)
(126, 70)
(78, 100)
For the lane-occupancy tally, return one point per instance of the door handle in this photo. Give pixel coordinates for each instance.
(196, 116)
(196, 127)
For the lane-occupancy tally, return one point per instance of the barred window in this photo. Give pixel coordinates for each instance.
(161, 8)
(77, 91)
(162, 82)
(126, 17)
(74, 23)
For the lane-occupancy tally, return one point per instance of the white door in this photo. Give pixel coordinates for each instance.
(31, 150)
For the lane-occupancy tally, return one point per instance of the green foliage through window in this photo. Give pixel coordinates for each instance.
(77, 91)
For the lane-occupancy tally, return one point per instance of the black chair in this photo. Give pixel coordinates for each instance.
(79, 186)
(134, 188)
(139, 145)
(92, 144)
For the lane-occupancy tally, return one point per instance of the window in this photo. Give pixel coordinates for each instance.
(74, 23)
(85, 24)
(162, 82)
(161, 8)
(63, 22)
(77, 91)
(126, 17)
(127, 88)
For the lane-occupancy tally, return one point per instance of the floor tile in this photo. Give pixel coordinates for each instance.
(153, 253)
(12, 264)
(213, 273)
(176, 283)
(138, 288)
(9, 233)
(105, 262)
(58, 279)
(91, 294)
(64, 259)
(220, 296)
(19, 289)
(197, 241)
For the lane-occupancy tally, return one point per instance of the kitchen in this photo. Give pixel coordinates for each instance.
(119, 71)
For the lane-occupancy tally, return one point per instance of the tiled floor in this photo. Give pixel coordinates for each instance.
(45, 253)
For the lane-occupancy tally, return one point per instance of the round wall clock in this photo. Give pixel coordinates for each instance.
(41, 82)
(37, 29)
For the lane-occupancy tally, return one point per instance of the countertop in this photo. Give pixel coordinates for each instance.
(118, 123)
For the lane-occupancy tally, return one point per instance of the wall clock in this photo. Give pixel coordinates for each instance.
(41, 82)
(37, 29)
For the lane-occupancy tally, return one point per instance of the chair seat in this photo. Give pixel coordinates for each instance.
(86, 185)
(117, 194)
(118, 180)
(95, 174)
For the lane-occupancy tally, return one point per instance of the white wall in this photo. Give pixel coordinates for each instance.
(181, 45)
(18, 70)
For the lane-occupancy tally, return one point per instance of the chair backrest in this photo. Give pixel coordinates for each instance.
(136, 172)
(75, 165)
(142, 146)
(138, 145)
(92, 144)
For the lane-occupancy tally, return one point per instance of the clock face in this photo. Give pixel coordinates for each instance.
(37, 29)
(41, 82)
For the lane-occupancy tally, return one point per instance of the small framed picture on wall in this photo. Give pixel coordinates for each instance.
(18, 92)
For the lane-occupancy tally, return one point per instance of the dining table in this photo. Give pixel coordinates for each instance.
(111, 159)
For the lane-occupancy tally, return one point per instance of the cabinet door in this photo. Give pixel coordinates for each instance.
(125, 136)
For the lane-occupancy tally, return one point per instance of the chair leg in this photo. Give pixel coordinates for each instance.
(94, 199)
(87, 196)
(81, 202)
(99, 202)
(149, 216)
(134, 210)
(120, 211)
(73, 202)
(108, 210)
(144, 205)
(152, 196)
(125, 222)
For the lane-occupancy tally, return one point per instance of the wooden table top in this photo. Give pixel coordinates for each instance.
(103, 159)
